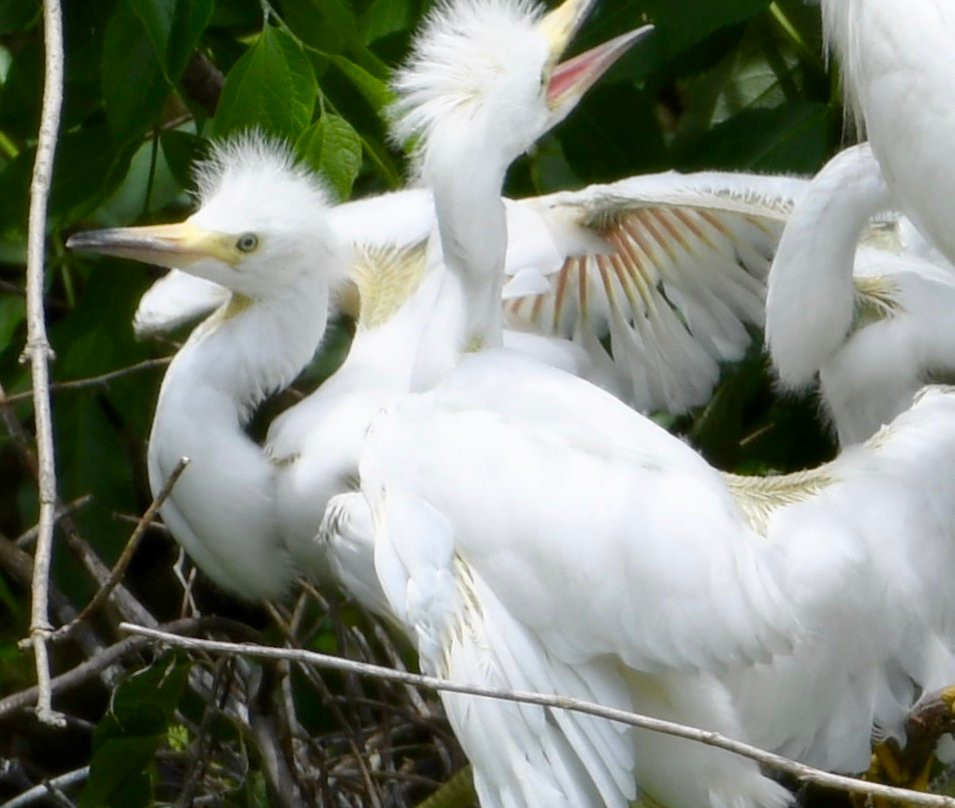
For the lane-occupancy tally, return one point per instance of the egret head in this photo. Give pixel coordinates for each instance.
(261, 225)
(488, 72)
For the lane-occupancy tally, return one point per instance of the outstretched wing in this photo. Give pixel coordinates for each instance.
(670, 268)
(657, 278)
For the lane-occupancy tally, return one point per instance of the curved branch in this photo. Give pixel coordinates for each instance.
(806, 774)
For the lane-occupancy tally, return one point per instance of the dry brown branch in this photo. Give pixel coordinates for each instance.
(119, 568)
(38, 350)
(806, 774)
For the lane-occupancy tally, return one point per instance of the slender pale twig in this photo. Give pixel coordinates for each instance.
(802, 772)
(38, 793)
(93, 381)
(109, 655)
(27, 538)
(38, 350)
(119, 568)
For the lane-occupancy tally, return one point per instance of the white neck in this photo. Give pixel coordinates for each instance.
(222, 510)
(811, 297)
(472, 224)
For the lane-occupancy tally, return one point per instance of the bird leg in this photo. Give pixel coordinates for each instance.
(910, 766)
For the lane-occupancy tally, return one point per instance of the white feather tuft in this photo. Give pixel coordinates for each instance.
(457, 60)
(254, 181)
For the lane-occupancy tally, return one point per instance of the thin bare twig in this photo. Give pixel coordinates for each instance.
(203, 741)
(129, 607)
(38, 350)
(19, 565)
(802, 772)
(27, 538)
(119, 568)
(41, 791)
(109, 655)
(93, 381)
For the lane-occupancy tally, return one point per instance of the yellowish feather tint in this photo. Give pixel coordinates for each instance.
(383, 279)
(758, 497)
(233, 307)
(876, 300)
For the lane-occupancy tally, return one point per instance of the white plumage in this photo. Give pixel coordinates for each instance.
(898, 64)
(522, 543)
(871, 320)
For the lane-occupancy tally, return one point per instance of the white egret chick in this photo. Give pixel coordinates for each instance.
(873, 321)
(898, 64)
(261, 231)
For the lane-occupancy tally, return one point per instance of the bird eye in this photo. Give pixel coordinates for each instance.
(247, 242)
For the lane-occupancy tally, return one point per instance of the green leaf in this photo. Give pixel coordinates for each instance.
(17, 15)
(86, 171)
(384, 17)
(157, 18)
(327, 25)
(174, 29)
(12, 314)
(133, 83)
(373, 90)
(682, 23)
(181, 150)
(792, 137)
(271, 87)
(332, 147)
(117, 773)
(126, 740)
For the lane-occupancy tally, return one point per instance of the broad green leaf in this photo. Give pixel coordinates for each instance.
(126, 740)
(791, 137)
(157, 18)
(87, 170)
(174, 27)
(374, 90)
(682, 23)
(329, 26)
(134, 87)
(271, 87)
(384, 17)
(381, 157)
(192, 17)
(332, 147)
(118, 773)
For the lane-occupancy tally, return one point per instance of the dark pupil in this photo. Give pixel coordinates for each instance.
(247, 243)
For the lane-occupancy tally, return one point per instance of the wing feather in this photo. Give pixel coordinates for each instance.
(671, 268)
